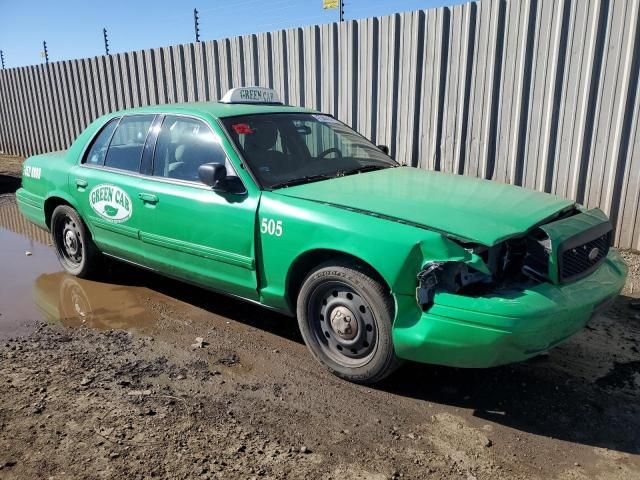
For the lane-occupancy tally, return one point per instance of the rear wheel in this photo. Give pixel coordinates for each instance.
(345, 316)
(73, 245)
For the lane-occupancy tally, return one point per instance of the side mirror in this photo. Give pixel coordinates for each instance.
(384, 149)
(212, 173)
(215, 175)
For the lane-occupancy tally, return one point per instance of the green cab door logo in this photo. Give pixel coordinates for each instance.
(111, 203)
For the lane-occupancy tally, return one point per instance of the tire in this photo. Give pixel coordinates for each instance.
(72, 242)
(345, 317)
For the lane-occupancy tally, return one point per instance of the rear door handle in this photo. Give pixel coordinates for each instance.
(81, 183)
(148, 198)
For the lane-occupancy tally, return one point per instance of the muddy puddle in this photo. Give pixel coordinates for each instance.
(34, 288)
(22, 261)
(74, 302)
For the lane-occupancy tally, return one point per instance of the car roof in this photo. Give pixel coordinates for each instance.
(216, 109)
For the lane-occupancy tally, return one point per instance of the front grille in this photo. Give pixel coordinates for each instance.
(578, 261)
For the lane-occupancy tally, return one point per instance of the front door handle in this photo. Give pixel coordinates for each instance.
(81, 183)
(148, 198)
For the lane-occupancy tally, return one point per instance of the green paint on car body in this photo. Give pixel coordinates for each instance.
(395, 221)
(444, 202)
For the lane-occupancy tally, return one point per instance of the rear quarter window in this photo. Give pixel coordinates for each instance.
(100, 144)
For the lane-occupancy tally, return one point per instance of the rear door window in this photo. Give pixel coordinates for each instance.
(127, 143)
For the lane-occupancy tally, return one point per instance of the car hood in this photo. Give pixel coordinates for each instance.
(473, 209)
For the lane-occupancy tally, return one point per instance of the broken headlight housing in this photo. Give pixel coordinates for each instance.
(452, 276)
(560, 250)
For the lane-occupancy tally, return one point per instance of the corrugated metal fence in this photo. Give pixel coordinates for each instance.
(538, 93)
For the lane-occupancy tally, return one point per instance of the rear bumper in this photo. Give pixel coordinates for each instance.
(488, 331)
(32, 207)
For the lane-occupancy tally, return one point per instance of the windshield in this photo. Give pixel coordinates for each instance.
(289, 149)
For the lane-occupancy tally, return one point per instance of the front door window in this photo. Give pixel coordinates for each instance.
(183, 145)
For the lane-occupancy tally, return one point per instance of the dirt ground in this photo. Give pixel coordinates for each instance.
(10, 165)
(105, 379)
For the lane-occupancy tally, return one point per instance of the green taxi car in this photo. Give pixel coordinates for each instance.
(290, 208)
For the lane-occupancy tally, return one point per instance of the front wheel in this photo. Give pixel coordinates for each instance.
(73, 244)
(345, 317)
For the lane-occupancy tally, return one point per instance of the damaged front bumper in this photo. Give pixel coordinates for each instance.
(505, 327)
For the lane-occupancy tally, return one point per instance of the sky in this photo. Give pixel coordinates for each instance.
(73, 28)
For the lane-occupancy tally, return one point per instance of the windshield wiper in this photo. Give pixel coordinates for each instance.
(366, 168)
(340, 173)
(299, 181)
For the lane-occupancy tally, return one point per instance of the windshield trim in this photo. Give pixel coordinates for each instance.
(245, 164)
(294, 182)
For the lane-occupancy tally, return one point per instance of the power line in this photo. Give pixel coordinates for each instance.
(256, 3)
(285, 5)
(281, 6)
(278, 20)
(302, 20)
(377, 8)
(280, 24)
(226, 6)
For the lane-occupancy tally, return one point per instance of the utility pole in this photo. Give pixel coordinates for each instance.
(106, 41)
(342, 10)
(45, 52)
(2, 58)
(196, 24)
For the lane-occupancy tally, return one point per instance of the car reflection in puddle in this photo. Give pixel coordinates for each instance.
(75, 302)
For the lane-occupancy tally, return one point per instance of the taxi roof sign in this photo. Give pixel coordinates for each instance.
(251, 95)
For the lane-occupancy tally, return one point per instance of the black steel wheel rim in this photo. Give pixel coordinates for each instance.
(68, 241)
(343, 324)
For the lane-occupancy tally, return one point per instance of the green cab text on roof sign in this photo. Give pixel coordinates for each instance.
(251, 95)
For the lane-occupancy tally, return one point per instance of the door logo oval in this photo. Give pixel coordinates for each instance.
(111, 203)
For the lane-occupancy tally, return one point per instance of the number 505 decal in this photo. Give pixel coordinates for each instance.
(271, 227)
